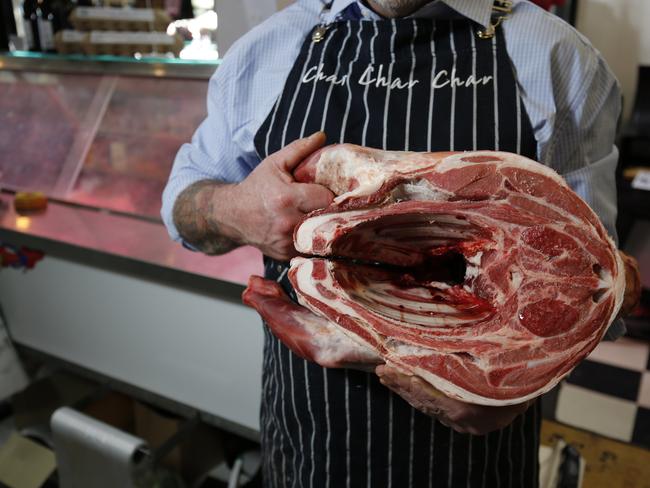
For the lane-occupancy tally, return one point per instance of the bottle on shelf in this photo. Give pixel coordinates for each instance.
(30, 25)
(4, 36)
(187, 10)
(45, 25)
(7, 24)
(61, 10)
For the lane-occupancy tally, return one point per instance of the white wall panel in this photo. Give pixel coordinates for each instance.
(198, 350)
(618, 29)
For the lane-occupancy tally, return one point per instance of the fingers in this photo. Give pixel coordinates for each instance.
(419, 394)
(460, 416)
(283, 254)
(632, 285)
(416, 386)
(312, 197)
(393, 379)
(287, 158)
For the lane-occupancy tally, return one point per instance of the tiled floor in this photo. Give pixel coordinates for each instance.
(609, 392)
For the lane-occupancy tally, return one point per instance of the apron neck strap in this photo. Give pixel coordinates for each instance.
(327, 6)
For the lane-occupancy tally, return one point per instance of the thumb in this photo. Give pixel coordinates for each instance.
(312, 197)
(292, 155)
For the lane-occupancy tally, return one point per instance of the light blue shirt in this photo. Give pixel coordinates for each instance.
(569, 92)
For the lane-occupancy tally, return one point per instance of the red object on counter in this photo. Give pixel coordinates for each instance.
(547, 4)
(17, 258)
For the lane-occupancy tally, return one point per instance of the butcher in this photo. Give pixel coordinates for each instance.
(416, 75)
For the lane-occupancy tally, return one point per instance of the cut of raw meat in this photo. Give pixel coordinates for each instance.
(480, 272)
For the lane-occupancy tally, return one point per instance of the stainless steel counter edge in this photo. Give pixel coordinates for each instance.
(143, 395)
(79, 64)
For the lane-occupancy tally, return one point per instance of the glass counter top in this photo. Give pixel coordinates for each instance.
(159, 67)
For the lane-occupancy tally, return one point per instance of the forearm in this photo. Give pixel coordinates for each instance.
(201, 224)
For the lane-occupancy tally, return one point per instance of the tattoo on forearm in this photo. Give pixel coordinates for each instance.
(192, 216)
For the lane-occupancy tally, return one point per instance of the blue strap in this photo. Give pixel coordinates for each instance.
(352, 12)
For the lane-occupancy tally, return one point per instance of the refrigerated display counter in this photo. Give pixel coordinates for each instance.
(113, 296)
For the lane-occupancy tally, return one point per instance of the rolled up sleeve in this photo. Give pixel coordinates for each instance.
(583, 142)
(581, 147)
(212, 154)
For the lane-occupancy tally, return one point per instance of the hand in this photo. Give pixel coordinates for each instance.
(464, 418)
(275, 203)
(632, 285)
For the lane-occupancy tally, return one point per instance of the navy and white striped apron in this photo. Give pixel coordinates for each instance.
(402, 84)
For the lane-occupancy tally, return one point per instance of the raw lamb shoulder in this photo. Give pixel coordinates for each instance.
(481, 272)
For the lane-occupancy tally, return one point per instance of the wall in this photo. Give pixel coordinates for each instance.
(618, 29)
(236, 17)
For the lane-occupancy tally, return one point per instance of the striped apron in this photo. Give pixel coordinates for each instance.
(402, 84)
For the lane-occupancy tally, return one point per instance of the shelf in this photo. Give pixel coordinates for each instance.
(160, 67)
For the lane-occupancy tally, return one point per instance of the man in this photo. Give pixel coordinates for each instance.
(414, 75)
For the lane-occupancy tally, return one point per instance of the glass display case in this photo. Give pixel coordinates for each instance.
(102, 140)
(99, 138)
(128, 160)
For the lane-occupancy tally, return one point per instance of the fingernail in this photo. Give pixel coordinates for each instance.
(315, 135)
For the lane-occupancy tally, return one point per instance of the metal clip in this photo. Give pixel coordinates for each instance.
(503, 6)
(488, 33)
(319, 33)
(500, 12)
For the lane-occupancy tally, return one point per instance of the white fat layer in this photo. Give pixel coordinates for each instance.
(328, 226)
(368, 168)
(473, 267)
(502, 160)
(420, 190)
(438, 284)
(475, 259)
(304, 268)
(406, 319)
(421, 230)
(471, 272)
(516, 279)
(437, 315)
(325, 226)
(332, 345)
(403, 349)
(539, 362)
(380, 293)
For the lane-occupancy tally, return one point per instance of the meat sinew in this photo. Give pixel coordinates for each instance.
(480, 272)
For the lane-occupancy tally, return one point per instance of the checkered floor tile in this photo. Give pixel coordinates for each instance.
(608, 393)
